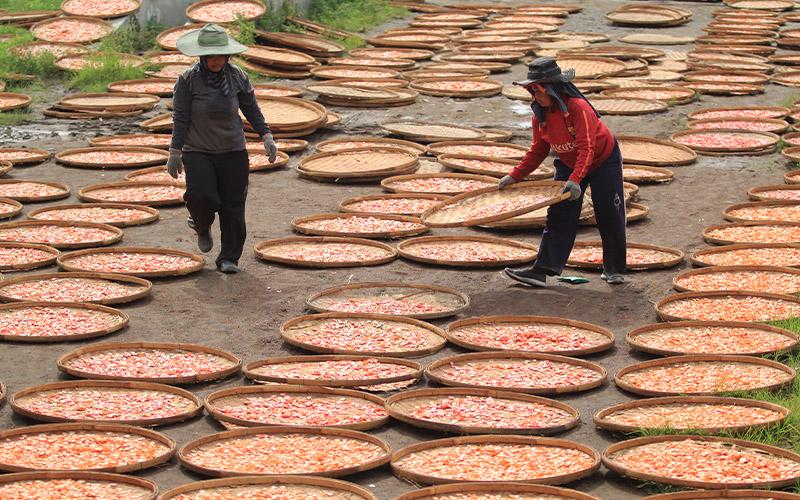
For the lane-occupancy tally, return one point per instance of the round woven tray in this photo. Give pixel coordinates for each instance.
(527, 252)
(393, 184)
(708, 238)
(291, 114)
(774, 126)
(63, 157)
(354, 142)
(654, 152)
(116, 233)
(438, 87)
(656, 39)
(141, 287)
(100, 428)
(123, 323)
(419, 478)
(193, 409)
(791, 153)
(159, 141)
(529, 320)
(698, 358)
(435, 340)
(495, 167)
(64, 260)
(454, 301)
(261, 250)
(86, 193)
(240, 396)
(713, 88)
(27, 155)
(432, 132)
(341, 71)
(636, 174)
(731, 76)
(142, 488)
(235, 363)
(30, 264)
(158, 123)
(162, 87)
(627, 106)
(366, 163)
(299, 224)
(632, 340)
(311, 44)
(10, 101)
(464, 209)
(233, 14)
(251, 371)
(592, 67)
(151, 213)
(350, 204)
(677, 257)
(479, 148)
(774, 205)
(762, 193)
(75, 8)
(495, 488)
(70, 24)
(669, 94)
(601, 417)
(400, 406)
(12, 208)
(432, 371)
(300, 485)
(609, 462)
(710, 495)
(109, 101)
(274, 56)
(659, 306)
(766, 141)
(777, 112)
(697, 258)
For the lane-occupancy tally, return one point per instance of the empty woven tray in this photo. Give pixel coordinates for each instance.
(627, 106)
(655, 152)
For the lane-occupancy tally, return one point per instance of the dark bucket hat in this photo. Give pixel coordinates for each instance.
(546, 70)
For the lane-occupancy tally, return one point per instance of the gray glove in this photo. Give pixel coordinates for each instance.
(506, 181)
(270, 148)
(574, 190)
(174, 163)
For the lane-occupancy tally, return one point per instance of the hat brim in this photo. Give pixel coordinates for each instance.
(188, 45)
(564, 77)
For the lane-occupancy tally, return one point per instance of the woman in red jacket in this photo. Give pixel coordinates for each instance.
(588, 156)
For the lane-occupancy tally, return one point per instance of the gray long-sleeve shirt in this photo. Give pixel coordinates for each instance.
(207, 121)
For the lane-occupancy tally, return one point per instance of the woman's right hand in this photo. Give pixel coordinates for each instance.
(174, 163)
(505, 181)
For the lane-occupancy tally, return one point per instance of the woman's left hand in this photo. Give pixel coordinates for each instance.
(270, 148)
(574, 190)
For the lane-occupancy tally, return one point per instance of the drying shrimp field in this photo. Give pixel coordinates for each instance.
(372, 273)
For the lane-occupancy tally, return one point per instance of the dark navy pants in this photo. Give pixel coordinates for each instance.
(608, 198)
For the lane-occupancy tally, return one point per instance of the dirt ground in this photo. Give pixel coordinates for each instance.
(242, 313)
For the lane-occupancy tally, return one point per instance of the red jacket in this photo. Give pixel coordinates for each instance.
(583, 149)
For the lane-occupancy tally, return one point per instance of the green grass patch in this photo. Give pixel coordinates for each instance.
(107, 68)
(244, 32)
(41, 66)
(12, 118)
(17, 5)
(354, 15)
(275, 19)
(133, 38)
(790, 100)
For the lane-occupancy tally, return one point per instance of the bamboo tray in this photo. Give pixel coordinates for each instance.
(395, 184)
(654, 152)
(432, 132)
(773, 205)
(495, 488)
(697, 258)
(31, 264)
(314, 45)
(451, 301)
(221, 437)
(708, 233)
(150, 214)
(656, 39)
(265, 250)
(341, 71)
(671, 94)
(5, 167)
(677, 257)
(65, 192)
(421, 478)
(122, 324)
(142, 488)
(28, 156)
(74, 8)
(141, 288)
(254, 371)
(495, 167)
(460, 210)
(401, 407)
(588, 67)
(86, 193)
(748, 124)
(63, 157)
(159, 141)
(432, 372)
(275, 56)
(602, 421)
(162, 87)
(199, 261)
(351, 205)
(365, 163)
(488, 321)
(310, 485)
(158, 123)
(11, 101)
(12, 207)
(718, 294)
(791, 177)
(727, 89)
(720, 494)
(99, 428)
(609, 462)
(71, 24)
(300, 225)
(194, 406)
(216, 401)
(232, 13)
(115, 233)
(632, 338)
(525, 252)
(435, 338)
(269, 89)
(160, 174)
(364, 141)
(234, 362)
(791, 153)
(109, 102)
(481, 148)
(643, 174)
(627, 106)
(788, 272)
(729, 76)
(777, 112)
(438, 87)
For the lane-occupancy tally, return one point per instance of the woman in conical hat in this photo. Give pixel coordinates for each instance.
(588, 156)
(208, 140)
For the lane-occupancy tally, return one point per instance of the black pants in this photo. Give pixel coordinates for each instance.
(217, 183)
(608, 198)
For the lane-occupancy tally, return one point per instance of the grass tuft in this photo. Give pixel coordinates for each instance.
(17, 5)
(354, 15)
(133, 38)
(244, 32)
(17, 117)
(96, 77)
